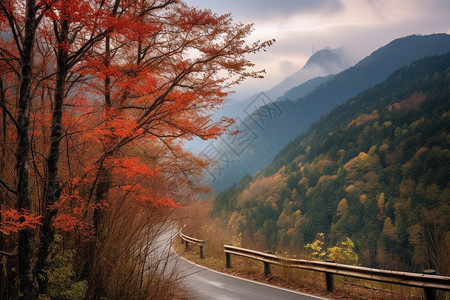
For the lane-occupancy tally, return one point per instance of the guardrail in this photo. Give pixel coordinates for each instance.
(187, 240)
(428, 281)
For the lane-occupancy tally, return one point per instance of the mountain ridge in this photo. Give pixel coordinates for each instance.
(266, 129)
(375, 169)
(322, 63)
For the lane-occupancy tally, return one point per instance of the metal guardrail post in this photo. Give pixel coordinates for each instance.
(190, 240)
(228, 258)
(329, 279)
(267, 268)
(180, 234)
(203, 250)
(430, 294)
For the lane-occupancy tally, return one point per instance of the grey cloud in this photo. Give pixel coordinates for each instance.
(261, 9)
(288, 67)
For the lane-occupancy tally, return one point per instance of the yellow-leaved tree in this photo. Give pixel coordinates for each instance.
(343, 252)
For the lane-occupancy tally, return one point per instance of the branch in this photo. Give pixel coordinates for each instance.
(73, 58)
(8, 54)
(3, 106)
(42, 14)
(7, 187)
(8, 254)
(163, 5)
(13, 25)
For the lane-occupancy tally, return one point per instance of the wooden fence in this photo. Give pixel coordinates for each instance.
(428, 281)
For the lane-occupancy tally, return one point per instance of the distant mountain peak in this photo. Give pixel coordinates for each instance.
(322, 63)
(328, 59)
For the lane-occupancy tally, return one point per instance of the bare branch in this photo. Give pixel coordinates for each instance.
(7, 187)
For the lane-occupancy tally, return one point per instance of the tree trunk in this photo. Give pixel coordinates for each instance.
(53, 187)
(102, 189)
(27, 278)
(3, 277)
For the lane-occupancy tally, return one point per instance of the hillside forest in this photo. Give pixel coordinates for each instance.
(375, 170)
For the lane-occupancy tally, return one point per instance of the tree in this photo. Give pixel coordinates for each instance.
(23, 31)
(112, 77)
(343, 253)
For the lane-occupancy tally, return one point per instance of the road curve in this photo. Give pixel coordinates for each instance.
(202, 283)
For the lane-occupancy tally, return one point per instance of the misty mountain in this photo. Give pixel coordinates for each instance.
(375, 169)
(319, 66)
(268, 126)
(324, 62)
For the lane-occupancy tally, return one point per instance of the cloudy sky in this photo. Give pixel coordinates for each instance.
(303, 26)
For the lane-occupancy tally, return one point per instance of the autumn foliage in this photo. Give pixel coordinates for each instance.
(96, 99)
(13, 221)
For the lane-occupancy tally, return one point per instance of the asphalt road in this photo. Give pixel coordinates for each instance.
(202, 283)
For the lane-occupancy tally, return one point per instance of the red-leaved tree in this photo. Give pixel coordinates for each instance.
(97, 97)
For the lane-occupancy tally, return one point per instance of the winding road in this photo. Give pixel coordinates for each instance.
(202, 283)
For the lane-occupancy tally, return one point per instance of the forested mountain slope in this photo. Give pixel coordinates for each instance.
(375, 169)
(267, 129)
(305, 88)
